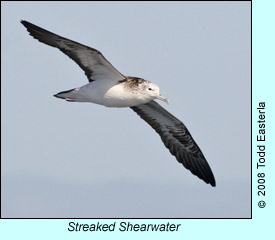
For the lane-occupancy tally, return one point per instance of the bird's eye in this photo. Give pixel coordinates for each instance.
(150, 89)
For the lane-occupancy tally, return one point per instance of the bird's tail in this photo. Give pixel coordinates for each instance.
(69, 95)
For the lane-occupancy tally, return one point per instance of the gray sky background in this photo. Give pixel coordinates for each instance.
(63, 159)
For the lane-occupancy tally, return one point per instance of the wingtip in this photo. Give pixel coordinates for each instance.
(211, 179)
(213, 184)
(28, 25)
(24, 22)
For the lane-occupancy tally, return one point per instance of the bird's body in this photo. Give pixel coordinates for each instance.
(110, 93)
(108, 87)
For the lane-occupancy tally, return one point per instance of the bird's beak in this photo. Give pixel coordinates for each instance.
(164, 99)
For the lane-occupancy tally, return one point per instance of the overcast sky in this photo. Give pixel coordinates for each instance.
(62, 159)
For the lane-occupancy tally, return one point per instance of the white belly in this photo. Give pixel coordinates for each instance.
(107, 94)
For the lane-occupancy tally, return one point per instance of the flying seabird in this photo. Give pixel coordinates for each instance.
(108, 87)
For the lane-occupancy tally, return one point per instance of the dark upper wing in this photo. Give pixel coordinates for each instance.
(177, 139)
(94, 64)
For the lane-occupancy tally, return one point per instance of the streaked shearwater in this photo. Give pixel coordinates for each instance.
(108, 87)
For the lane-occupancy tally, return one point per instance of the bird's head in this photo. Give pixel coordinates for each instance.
(152, 91)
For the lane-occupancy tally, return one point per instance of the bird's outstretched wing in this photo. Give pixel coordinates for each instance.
(94, 64)
(177, 139)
